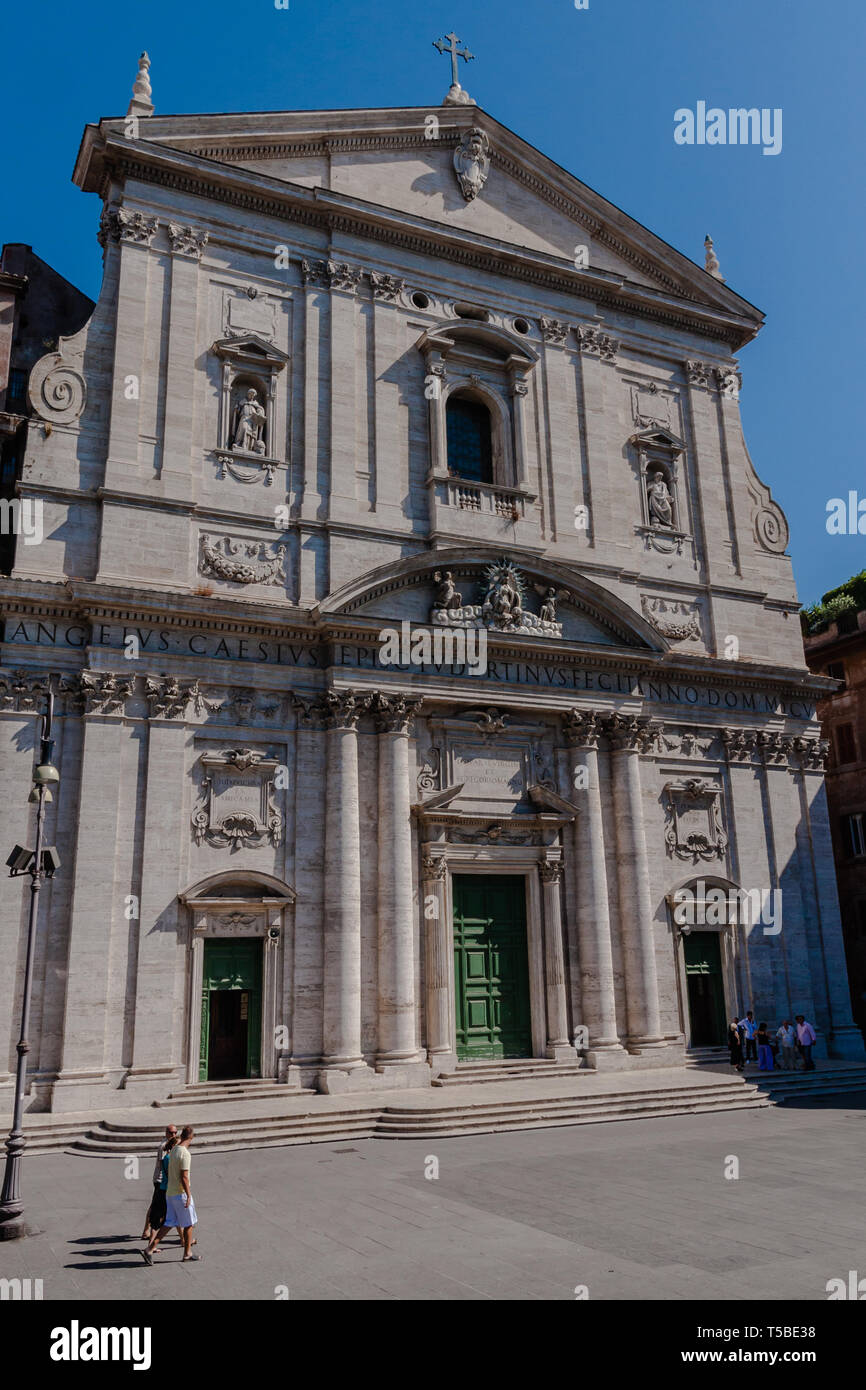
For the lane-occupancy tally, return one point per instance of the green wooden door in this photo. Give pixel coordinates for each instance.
(491, 966)
(706, 993)
(231, 1009)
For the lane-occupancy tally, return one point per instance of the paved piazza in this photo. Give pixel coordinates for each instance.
(633, 1210)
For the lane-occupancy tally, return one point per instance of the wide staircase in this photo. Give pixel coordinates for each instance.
(541, 1095)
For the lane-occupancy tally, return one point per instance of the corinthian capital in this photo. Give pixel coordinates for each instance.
(395, 714)
(341, 709)
(632, 733)
(581, 728)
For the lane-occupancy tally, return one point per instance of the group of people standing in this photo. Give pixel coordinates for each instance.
(791, 1043)
(171, 1205)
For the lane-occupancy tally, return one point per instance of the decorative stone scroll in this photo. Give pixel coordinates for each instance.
(56, 390)
(237, 808)
(694, 828)
(242, 562)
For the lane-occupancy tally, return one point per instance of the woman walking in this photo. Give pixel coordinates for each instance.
(735, 1045)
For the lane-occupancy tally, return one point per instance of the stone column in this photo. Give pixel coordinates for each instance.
(177, 467)
(390, 414)
(439, 960)
(558, 1046)
(162, 940)
(343, 503)
(595, 956)
(398, 1028)
(133, 232)
(96, 913)
(341, 1004)
(628, 737)
(196, 976)
(518, 388)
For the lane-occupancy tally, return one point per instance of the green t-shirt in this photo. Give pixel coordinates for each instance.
(178, 1162)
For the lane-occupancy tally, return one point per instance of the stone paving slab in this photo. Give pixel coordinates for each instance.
(634, 1210)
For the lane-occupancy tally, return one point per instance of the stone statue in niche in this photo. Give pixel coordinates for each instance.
(472, 162)
(447, 597)
(660, 502)
(248, 425)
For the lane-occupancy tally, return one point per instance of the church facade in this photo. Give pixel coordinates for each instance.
(428, 674)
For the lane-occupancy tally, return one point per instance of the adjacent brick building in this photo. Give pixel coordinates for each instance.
(836, 647)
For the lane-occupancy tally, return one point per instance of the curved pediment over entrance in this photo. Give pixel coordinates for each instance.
(477, 589)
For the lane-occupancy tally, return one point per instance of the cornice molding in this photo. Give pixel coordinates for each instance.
(333, 212)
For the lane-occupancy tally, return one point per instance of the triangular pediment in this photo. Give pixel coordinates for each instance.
(401, 160)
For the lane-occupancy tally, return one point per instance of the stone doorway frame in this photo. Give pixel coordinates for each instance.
(727, 933)
(442, 856)
(216, 915)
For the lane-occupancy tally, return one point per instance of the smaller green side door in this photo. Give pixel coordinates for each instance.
(706, 993)
(231, 1009)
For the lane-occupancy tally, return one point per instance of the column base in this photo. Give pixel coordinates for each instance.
(335, 1081)
(146, 1084)
(847, 1043)
(443, 1063)
(560, 1052)
(607, 1057)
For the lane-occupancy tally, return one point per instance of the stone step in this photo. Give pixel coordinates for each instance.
(469, 1072)
(244, 1134)
(204, 1094)
(540, 1117)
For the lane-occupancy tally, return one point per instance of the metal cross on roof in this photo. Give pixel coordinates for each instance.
(455, 52)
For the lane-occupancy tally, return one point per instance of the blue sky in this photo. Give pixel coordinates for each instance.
(595, 89)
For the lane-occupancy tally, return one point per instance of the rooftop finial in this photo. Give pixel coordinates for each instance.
(711, 265)
(456, 95)
(141, 104)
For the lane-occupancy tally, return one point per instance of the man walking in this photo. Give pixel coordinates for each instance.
(156, 1197)
(806, 1038)
(750, 1029)
(179, 1206)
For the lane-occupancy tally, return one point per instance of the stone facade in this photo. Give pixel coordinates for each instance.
(246, 481)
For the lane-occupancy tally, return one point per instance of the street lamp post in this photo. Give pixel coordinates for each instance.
(12, 1223)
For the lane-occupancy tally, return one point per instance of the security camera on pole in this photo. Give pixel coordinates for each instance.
(39, 864)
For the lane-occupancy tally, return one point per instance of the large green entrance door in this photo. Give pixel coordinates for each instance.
(491, 966)
(231, 1010)
(706, 991)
